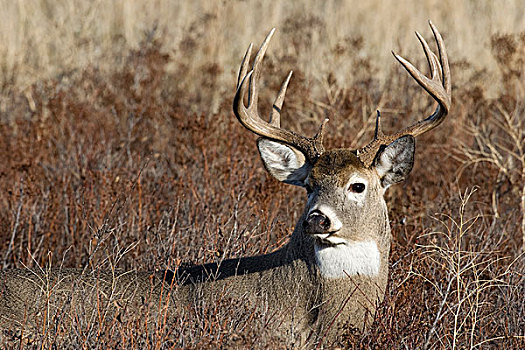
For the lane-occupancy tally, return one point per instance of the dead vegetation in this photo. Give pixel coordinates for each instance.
(118, 168)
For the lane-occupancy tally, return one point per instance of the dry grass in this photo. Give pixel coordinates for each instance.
(49, 39)
(118, 148)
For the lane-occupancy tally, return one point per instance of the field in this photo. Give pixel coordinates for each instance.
(119, 149)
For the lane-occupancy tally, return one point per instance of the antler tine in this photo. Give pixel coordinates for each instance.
(249, 116)
(431, 57)
(438, 86)
(254, 91)
(275, 114)
(244, 65)
(443, 59)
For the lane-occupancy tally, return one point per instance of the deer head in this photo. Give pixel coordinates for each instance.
(345, 208)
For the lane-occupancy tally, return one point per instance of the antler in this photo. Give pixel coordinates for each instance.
(249, 115)
(439, 87)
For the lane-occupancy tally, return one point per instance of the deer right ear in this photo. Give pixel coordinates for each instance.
(284, 162)
(394, 162)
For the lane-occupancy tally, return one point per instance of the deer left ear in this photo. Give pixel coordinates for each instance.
(394, 162)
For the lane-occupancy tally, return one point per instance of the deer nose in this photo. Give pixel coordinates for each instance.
(316, 223)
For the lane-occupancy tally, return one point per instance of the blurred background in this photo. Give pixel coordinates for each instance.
(45, 39)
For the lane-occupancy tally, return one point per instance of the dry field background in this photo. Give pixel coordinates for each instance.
(118, 149)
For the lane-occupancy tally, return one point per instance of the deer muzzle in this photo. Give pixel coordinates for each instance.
(316, 223)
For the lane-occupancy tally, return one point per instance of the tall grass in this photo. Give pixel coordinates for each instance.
(45, 39)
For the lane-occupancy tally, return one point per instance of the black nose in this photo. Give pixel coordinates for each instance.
(316, 222)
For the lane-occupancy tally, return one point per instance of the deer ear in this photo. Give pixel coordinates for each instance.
(284, 162)
(394, 162)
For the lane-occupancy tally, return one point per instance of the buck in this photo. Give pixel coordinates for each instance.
(333, 271)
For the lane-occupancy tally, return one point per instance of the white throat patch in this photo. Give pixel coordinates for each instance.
(352, 258)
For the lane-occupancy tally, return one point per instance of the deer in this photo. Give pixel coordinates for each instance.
(332, 273)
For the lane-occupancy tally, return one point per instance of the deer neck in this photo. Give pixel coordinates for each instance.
(365, 256)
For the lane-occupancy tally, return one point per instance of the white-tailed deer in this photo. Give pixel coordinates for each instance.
(330, 275)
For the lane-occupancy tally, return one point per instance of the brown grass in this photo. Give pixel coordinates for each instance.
(118, 148)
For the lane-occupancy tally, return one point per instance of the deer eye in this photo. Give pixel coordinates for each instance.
(357, 187)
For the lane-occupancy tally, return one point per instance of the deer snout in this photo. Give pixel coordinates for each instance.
(321, 220)
(316, 222)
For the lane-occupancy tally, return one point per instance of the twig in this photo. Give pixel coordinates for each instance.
(15, 226)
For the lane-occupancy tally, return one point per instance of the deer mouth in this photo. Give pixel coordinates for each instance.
(328, 239)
